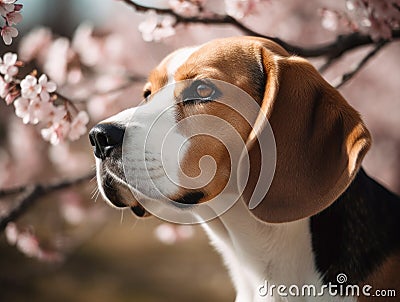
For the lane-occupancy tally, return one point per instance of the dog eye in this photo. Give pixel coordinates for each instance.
(200, 92)
(204, 91)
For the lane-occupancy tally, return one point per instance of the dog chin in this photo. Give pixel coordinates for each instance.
(117, 193)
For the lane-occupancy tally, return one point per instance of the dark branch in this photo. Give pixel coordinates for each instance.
(328, 63)
(348, 75)
(332, 50)
(11, 191)
(31, 194)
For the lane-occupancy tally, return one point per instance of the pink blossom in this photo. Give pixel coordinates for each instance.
(56, 114)
(330, 20)
(156, 28)
(50, 256)
(11, 233)
(14, 17)
(148, 26)
(10, 97)
(374, 17)
(28, 244)
(166, 233)
(169, 233)
(240, 8)
(386, 9)
(88, 48)
(8, 33)
(23, 111)
(46, 87)
(185, 8)
(56, 64)
(71, 207)
(56, 133)
(74, 75)
(40, 110)
(35, 44)
(6, 6)
(30, 87)
(379, 30)
(7, 66)
(165, 29)
(33, 111)
(78, 126)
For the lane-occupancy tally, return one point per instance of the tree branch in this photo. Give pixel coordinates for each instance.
(332, 50)
(11, 191)
(30, 195)
(328, 63)
(348, 75)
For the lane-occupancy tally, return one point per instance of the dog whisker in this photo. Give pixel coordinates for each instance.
(134, 223)
(122, 218)
(95, 194)
(94, 191)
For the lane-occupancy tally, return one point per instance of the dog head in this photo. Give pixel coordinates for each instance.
(163, 150)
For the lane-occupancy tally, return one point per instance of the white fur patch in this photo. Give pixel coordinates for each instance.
(177, 59)
(255, 252)
(151, 147)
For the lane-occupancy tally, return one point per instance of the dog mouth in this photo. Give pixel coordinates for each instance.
(189, 199)
(119, 194)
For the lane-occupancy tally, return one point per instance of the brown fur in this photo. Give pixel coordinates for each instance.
(320, 140)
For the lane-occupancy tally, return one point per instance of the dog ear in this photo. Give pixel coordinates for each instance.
(320, 141)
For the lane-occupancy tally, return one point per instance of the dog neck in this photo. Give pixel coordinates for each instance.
(256, 252)
(352, 236)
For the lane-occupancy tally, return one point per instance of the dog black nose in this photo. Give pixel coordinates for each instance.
(105, 137)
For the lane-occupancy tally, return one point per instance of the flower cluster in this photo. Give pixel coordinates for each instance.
(10, 11)
(157, 27)
(376, 18)
(28, 244)
(35, 102)
(241, 8)
(170, 233)
(78, 66)
(187, 8)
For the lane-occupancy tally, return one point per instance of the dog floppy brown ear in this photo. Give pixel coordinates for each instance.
(320, 141)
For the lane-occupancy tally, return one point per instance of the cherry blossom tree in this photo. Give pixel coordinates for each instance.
(58, 86)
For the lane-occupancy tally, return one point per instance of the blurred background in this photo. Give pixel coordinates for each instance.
(76, 248)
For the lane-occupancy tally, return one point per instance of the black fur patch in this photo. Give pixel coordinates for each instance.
(357, 232)
(190, 198)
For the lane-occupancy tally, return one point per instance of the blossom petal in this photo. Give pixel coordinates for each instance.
(51, 86)
(8, 33)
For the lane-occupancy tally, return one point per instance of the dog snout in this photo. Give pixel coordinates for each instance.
(105, 137)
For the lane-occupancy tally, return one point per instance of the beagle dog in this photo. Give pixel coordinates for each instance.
(323, 222)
